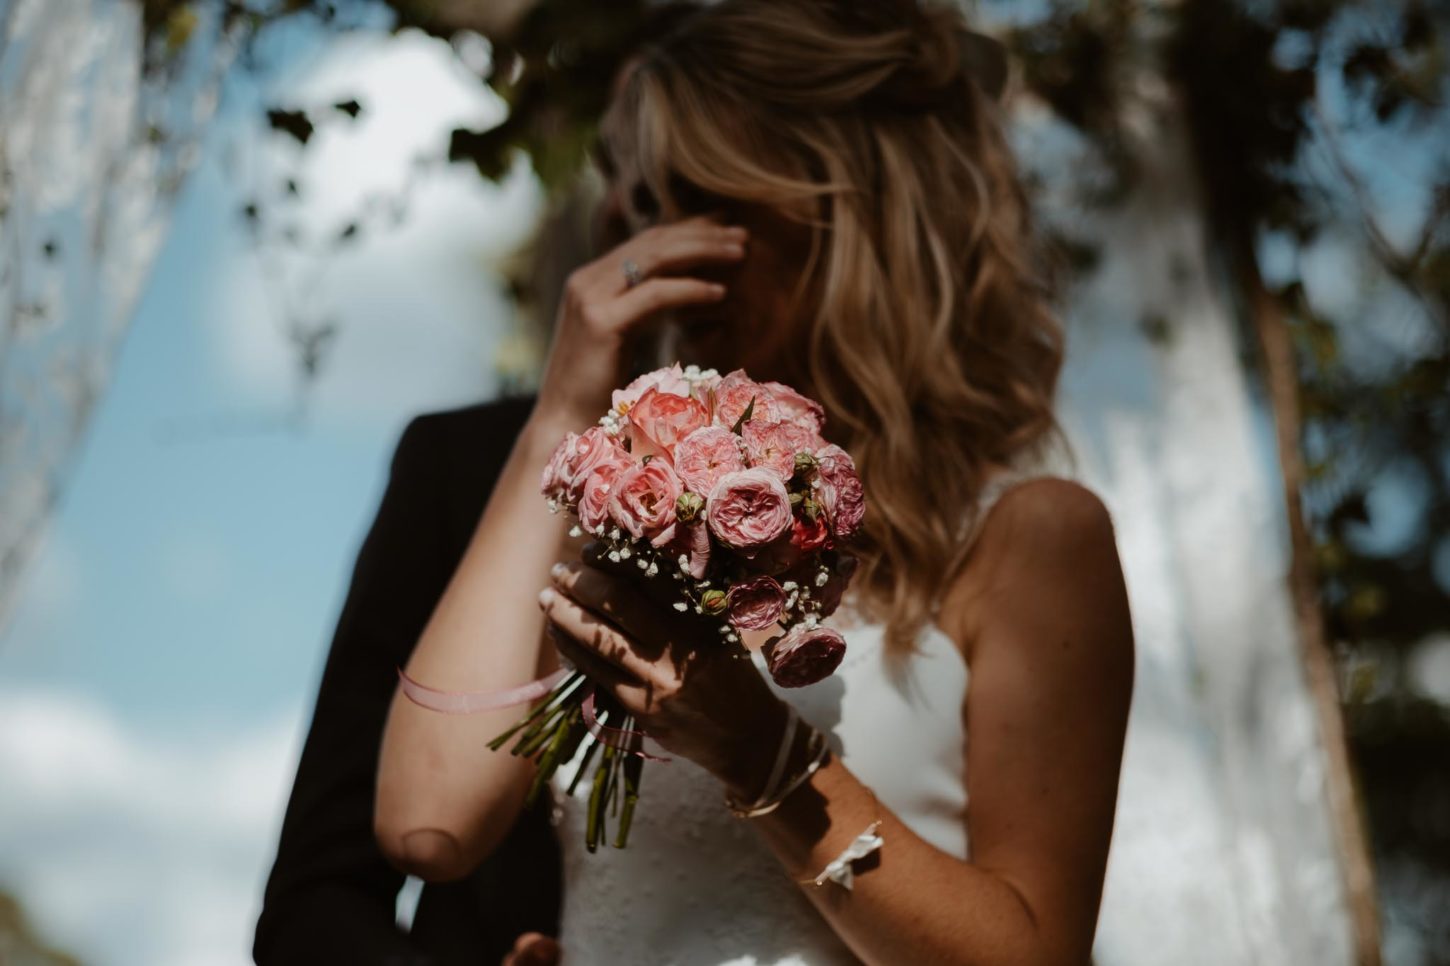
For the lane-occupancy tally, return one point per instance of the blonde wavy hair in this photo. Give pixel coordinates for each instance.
(932, 344)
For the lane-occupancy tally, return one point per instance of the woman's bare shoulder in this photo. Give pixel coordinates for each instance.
(1048, 543)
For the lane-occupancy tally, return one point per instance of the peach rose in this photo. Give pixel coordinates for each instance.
(748, 508)
(805, 655)
(797, 408)
(575, 458)
(670, 379)
(642, 498)
(734, 395)
(774, 444)
(706, 455)
(756, 603)
(594, 497)
(552, 482)
(659, 420)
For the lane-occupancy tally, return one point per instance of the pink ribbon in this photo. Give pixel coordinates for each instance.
(471, 702)
(613, 737)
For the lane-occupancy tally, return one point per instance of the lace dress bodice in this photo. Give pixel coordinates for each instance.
(698, 887)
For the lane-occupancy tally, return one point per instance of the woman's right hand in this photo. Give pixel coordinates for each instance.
(599, 310)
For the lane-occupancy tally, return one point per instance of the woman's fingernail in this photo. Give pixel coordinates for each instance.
(558, 570)
(546, 597)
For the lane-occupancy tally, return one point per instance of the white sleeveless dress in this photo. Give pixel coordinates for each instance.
(697, 886)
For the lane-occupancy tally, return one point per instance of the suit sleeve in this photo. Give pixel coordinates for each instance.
(331, 894)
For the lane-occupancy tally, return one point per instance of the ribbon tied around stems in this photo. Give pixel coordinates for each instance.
(473, 702)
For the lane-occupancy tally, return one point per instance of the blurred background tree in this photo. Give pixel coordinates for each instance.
(1318, 133)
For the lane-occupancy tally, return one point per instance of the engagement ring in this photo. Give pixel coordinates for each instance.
(632, 275)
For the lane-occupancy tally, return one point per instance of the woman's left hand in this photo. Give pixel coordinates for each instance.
(695, 693)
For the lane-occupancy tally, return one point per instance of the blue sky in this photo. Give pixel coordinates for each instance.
(157, 675)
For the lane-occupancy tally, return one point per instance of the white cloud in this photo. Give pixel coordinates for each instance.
(134, 849)
(420, 311)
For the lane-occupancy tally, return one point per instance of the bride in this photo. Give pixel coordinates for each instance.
(822, 195)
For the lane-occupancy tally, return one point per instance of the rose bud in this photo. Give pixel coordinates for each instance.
(688, 506)
(755, 604)
(805, 655)
(714, 601)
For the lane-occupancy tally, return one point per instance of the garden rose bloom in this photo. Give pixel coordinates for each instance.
(671, 380)
(805, 655)
(706, 455)
(659, 420)
(774, 444)
(552, 481)
(797, 408)
(642, 499)
(755, 604)
(594, 496)
(734, 394)
(574, 459)
(748, 508)
(841, 492)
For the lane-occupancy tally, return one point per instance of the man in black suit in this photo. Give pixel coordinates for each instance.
(331, 894)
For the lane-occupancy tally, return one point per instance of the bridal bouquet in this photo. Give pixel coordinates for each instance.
(723, 490)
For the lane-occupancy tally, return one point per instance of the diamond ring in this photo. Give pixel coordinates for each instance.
(632, 275)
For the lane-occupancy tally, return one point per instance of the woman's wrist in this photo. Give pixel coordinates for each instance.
(749, 770)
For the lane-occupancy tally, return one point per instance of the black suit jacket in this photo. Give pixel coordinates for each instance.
(331, 895)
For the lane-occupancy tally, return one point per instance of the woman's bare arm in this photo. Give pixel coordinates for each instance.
(444, 799)
(1052, 678)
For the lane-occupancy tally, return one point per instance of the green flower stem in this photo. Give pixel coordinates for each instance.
(633, 771)
(563, 732)
(563, 690)
(538, 736)
(592, 826)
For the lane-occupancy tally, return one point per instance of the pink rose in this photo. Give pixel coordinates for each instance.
(642, 499)
(775, 444)
(735, 393)
(668, 380)
(797, 408)
(706, 455)
(748, 508)
(841, 492)
(755, 604)
(553, 482)
(594, 497)
(805, 655)
(575, 458)
(659, 420)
